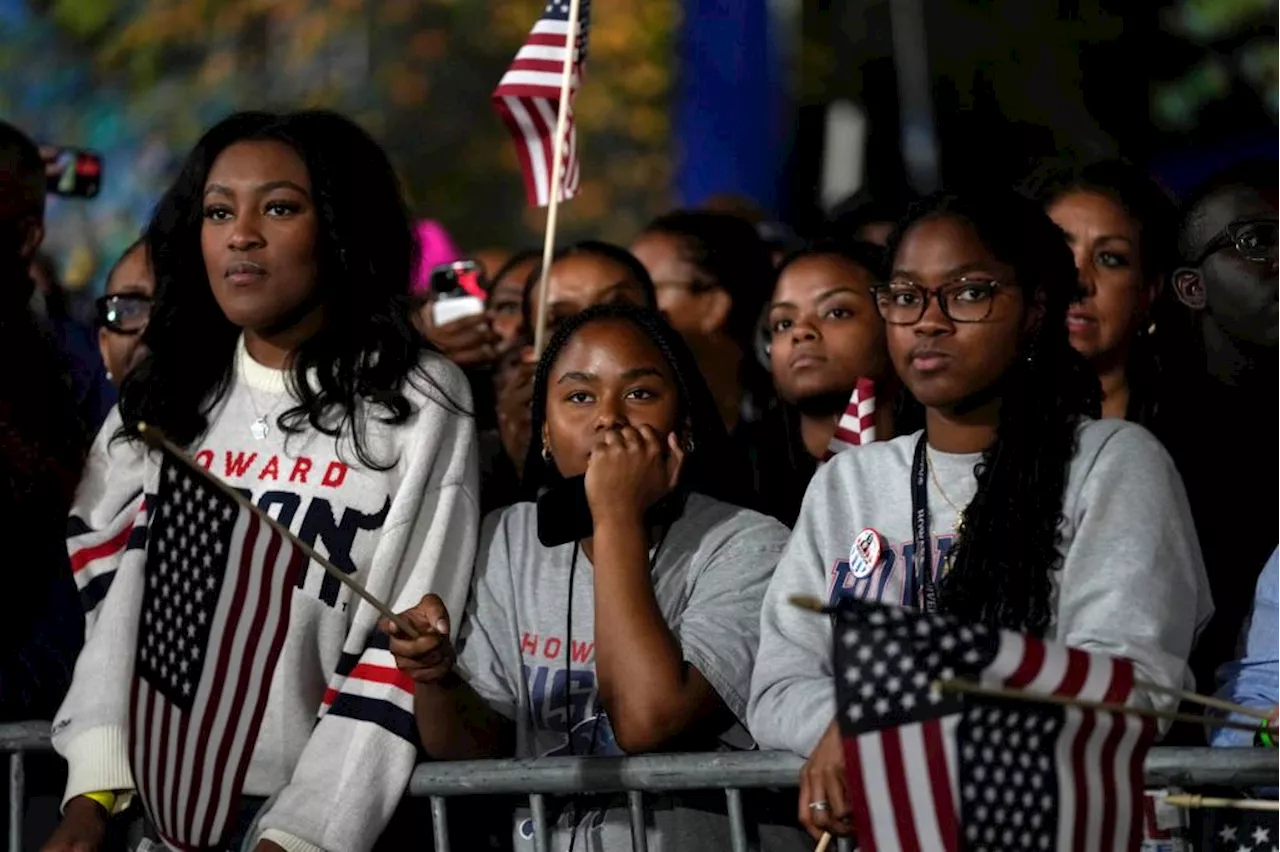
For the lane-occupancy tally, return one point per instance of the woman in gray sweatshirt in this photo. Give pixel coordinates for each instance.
(621, 623)
(1013, 508)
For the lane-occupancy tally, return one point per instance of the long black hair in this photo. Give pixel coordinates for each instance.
(368, 348)
(709, 469)
(1157, 218)
(1002, 573)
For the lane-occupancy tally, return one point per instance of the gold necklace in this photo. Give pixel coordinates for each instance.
(933, 473)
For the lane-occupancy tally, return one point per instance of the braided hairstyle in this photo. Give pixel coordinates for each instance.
(709, 469)
(1003, 563)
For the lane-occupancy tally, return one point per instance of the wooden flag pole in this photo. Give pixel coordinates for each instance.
(1180, 800)
(557, 177)
(966, 686)
(157, 439)
(815, 605)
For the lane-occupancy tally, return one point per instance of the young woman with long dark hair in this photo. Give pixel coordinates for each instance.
(636, 637)
(283, 359)
(1012, 508)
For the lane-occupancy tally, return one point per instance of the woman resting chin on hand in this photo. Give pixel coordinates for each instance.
(635, 637)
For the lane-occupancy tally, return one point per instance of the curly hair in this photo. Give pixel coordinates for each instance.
(710, 469)
(368, 347)
(1003, 567)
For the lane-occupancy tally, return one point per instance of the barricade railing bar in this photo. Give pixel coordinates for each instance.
(731, 772)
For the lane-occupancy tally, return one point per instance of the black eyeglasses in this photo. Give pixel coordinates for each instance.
(124, 313)
(1254, 239)
(903, 302)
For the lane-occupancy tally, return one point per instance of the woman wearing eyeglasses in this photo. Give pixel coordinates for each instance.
(124, 310)
(1012, 508)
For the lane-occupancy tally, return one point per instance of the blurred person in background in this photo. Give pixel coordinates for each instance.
(42, 447)
(711, 272)
(582, 275)
(1122, 230)
(869, 215)
(505, 306)
(93, 390)
(491, 261)
(124, 310)
(825, 334)
(1227, 374)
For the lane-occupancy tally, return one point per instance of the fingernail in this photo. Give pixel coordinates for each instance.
(442, 626)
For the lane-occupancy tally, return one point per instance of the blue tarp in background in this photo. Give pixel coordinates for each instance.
(729, 103)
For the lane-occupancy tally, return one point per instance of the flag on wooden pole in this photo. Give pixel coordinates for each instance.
(215, 611)
(929, 769)
(528, 98)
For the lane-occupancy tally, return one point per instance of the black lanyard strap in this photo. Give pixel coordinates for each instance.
(920, 527)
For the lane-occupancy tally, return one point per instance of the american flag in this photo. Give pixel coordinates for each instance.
(857, 425)
(215, 611)
(1229, 830)
(528, 97)
(931, 770)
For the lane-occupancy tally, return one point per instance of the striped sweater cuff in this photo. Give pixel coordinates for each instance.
(98, 759)
(288, 842)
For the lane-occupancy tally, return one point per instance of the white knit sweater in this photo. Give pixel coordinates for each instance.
(402, 533)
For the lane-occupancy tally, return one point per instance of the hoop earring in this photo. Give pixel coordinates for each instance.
(689, 446)
(546, 454)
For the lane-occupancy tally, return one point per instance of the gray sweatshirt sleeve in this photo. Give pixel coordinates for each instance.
(792, 691)
(487, 627)
(1133, 582)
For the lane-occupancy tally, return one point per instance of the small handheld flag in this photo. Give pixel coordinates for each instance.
(529, 97)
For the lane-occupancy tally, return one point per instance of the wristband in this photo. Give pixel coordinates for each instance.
(106, 798)
(1264, 736)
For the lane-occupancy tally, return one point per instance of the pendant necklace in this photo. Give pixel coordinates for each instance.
(933, 472)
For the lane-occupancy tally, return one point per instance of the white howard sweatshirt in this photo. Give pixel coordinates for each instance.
(338, 740)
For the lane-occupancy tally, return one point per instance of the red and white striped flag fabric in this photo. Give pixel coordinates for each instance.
(215, 611)
(528, 97)
(857, 425)
(929, 770)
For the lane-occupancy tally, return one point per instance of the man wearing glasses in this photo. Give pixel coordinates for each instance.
(1225, 438)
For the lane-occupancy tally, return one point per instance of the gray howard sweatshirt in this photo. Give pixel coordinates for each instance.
(519, 649)
(1132, 584)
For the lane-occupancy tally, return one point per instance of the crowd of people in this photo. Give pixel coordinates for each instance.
(596, 544)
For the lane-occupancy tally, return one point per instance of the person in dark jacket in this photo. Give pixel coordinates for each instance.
(42, 446)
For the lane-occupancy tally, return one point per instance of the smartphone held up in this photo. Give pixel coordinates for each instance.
(459, 291)
(72, 172)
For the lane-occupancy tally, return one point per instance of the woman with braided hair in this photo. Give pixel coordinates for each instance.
(633, 633)
(1013, 508)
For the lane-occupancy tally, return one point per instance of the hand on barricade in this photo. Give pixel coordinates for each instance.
(824, 800)
(84, 824)
(430, 657)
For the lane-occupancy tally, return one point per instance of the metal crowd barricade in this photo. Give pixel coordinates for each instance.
(731, 772)
(15, 740)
